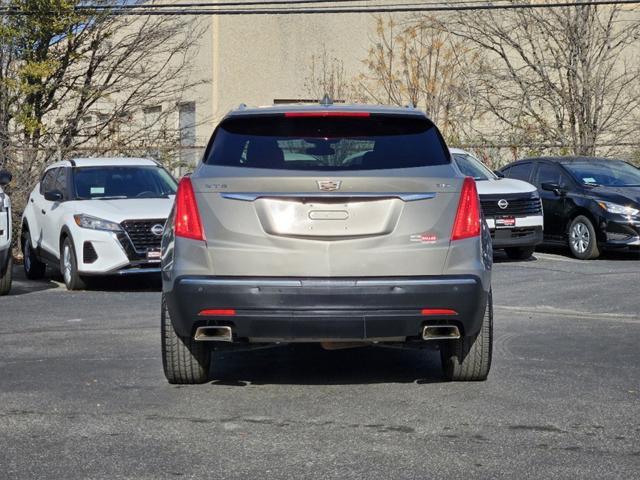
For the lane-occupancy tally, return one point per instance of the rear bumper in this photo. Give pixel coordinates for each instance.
(294, 309)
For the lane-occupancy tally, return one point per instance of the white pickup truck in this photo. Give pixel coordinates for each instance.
(5, 235)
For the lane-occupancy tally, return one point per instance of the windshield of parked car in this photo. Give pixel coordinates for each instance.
(327, 143)
(472, 167)
(608, 173)
(117, 182)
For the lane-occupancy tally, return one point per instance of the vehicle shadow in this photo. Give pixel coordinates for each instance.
(499, 256)
(309, 364)
(133, 283)
(21, 285)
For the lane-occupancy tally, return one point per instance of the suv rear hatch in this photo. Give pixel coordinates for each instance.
(326, 195)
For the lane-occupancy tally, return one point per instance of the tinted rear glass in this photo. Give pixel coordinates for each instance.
(327, 143)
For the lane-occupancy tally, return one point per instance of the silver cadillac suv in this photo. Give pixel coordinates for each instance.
(340, 225)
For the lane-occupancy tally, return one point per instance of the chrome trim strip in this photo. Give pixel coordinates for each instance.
(406, 196)
(324, 283)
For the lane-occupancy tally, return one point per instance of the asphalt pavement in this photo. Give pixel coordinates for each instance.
(82, 394)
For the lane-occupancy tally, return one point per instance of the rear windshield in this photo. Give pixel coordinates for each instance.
(327, 143)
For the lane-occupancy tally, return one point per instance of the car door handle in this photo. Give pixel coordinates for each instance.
(43, 212)
(31, 200)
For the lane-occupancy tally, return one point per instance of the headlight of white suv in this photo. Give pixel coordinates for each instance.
(619, 209)
(94, 223)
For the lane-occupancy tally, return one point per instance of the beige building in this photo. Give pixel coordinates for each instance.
(259, 60)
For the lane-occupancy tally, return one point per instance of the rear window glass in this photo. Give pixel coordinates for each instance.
(327, 143)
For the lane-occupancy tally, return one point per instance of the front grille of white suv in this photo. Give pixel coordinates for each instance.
(141, 235)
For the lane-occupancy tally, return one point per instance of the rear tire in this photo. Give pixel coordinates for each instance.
(5, 280)
(184, 360)
(33, 268)
(469, 358)
(69, 267)
(582, 239)
(519, 253)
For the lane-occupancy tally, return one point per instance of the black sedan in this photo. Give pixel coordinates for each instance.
(589, 203)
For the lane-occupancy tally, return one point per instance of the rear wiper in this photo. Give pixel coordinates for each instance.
(114, 197)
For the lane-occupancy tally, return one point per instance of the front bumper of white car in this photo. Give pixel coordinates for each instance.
(133, 250)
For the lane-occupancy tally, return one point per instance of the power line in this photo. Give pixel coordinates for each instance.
(177, 10)
(253, 2)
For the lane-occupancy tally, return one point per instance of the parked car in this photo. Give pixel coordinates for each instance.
(6, 261)
(326, 224)
(589, 203)
(511, 207)
(97, 216)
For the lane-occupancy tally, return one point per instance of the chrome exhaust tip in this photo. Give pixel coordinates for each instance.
(213, 334)
(440, 332)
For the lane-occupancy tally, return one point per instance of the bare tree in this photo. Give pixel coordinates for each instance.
(72, 80)
(327, 76)
(423, 65)
(563, 76)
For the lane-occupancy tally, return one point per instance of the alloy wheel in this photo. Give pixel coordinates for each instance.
(580, 238)
(67, 265)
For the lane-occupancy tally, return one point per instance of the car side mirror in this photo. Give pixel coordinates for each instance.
(552, 187)
(5, 177)
(498, 173)
(53, 196)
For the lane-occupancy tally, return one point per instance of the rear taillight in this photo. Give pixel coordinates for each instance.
(438, 311)
(217, 312)
(467, 222)
(188, 224)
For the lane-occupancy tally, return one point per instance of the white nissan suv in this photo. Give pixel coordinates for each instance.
(511, 207)
(97, 216)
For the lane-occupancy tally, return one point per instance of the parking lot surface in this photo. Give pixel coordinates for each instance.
(82, 394)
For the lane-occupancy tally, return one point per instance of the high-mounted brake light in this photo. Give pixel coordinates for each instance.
(217, 312)
(188, 224)
(438, 311)
(327, 114)
(467, 222)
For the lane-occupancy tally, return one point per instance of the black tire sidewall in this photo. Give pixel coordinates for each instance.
(36, 268)
(7, 277)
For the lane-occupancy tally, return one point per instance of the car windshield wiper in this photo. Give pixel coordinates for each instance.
(114, 197)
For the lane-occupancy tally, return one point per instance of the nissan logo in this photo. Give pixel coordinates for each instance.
(157, 229)
(502, 203)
